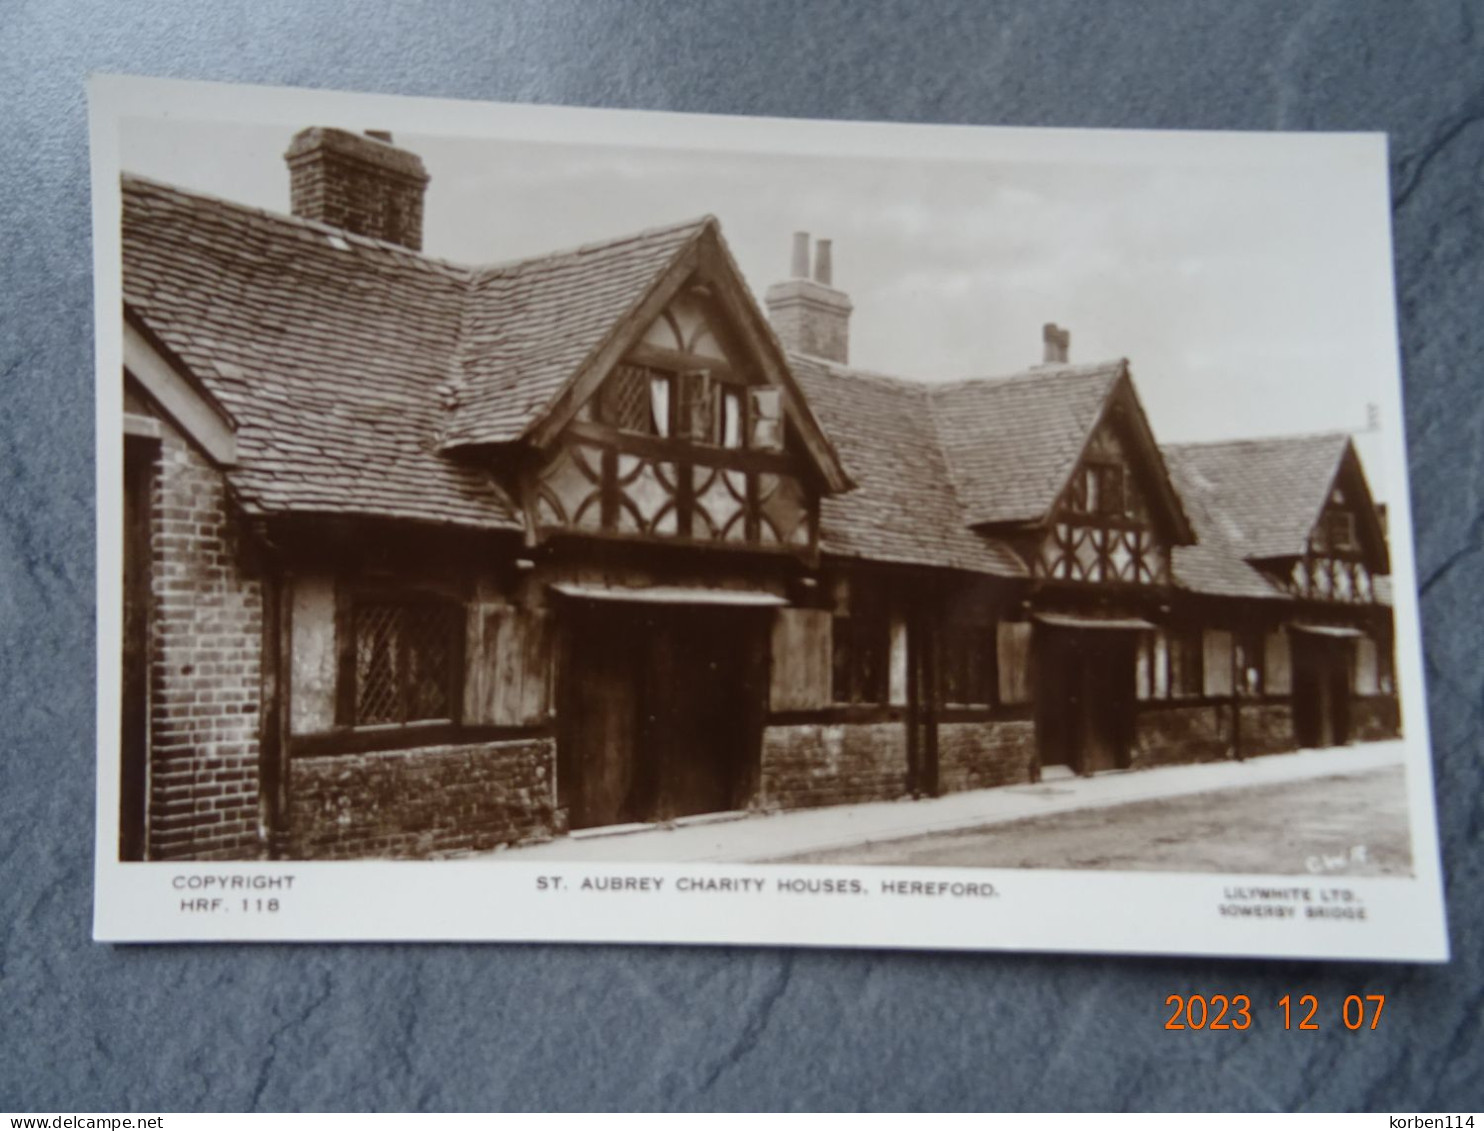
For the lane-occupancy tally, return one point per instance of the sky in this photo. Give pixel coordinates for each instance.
(1247, 283)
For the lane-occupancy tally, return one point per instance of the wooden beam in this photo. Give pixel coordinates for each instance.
(180, 395)
(676, 449)
(676, 361)
(412, 736)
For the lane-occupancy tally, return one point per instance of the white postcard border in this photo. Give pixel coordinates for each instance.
(497, 899)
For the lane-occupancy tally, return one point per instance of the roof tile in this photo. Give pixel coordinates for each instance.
(1260, 497)
(904, 507)
(1012, 443)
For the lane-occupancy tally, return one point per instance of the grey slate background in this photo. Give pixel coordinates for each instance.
(88, 1027)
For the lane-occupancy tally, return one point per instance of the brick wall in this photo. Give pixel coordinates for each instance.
(986, 754)
(1374, 718)
(206, 642)
(1166, 735)
(351, 181)
(339, 191)
(434, 801)
(838, 764)
(811, 318)
(1267, 728)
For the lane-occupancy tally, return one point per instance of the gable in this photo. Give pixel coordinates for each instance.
(1108, 527)
(1260, 497)
(677, 380)
(684, 437)
(1346, 547)
(699, 300)
(686, 326)
(1011, 444)
(1349, 525)
(530, 327)
(1142, 491)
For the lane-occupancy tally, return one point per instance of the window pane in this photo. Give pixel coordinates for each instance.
(430, 638)
(378, 633)
(731, 419)
(405, 661)
(767, 419)
(1112, 490)
(872, 649)
(840, 690)
(659, 405)
(624, 400)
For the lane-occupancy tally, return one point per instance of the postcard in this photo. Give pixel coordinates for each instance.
(538, 523)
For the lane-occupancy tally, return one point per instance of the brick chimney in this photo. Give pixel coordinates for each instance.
(359, 182)
(1058, 341)
(809, 315)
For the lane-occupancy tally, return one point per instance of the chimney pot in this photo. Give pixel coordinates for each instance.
(359, 182)
(799, 268)
(808, 314)
(824, 265)
(1058, 342)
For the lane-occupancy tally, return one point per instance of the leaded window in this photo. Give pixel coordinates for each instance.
(406, 661)
(970, 652)
(862, 654)
(1187, 663)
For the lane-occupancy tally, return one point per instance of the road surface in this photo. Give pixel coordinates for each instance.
(1351, 824)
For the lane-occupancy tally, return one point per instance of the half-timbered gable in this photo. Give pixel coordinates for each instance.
(1346, 549)
(1297, 509)
(685, 439)
(1062, 464)
(1103, 530)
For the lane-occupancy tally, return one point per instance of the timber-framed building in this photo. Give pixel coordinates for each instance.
(424, 559)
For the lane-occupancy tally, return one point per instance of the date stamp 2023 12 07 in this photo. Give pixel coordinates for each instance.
(1302, 1012)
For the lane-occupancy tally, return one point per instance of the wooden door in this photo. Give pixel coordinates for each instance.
(1098, 720)
(1085, 695)
(1058, 696)
(139, 461)
(702, 711)
(1340, 683)
(1321, 691)
(660, 711)
(597, 718)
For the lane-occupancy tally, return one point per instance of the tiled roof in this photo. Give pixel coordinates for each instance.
(531, 325)
(1011, 444)
(330, 350)
(353, 366)
(1260, 498)
(1208, 567)
(904, 507)
(349, 362)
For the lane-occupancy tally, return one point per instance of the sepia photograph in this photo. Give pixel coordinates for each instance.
(786, 514)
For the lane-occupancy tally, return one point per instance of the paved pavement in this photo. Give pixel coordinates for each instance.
(753, 838)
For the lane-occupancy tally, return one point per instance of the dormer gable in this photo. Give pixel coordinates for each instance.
(1349, 523)
(1297, 508)
(1117, 516)
(691, 429)
(1346, 549)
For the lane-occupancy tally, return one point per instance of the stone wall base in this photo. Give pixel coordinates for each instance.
(433, 801)
(985, 754)
(832, 764)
